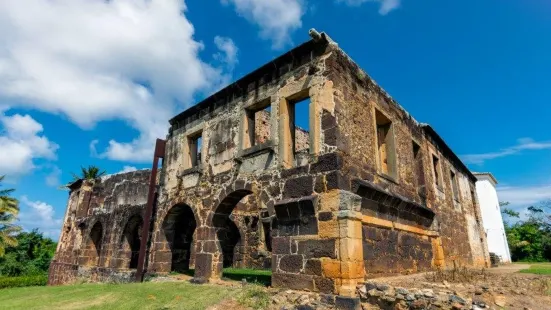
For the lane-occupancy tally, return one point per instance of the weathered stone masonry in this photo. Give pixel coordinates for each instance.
(369, 192)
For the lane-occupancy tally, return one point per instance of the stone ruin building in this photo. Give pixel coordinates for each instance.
(363, 190)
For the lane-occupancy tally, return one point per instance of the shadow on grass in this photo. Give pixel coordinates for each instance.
(259, 276)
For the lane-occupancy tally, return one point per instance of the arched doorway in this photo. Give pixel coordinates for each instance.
(227, 232)
(178, 227)
(93, 245)
(130, 243)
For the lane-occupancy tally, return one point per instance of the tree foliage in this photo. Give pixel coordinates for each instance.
(90, 173)
(9, 209)
(529, 239)
(31, 255)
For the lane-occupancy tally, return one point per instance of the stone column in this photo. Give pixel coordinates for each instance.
(341, 209)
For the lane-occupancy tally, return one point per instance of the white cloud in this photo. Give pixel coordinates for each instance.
(21, 143)
(38, 214)
(128, 169)
(228, 51)
(385, 6)
(92, 60)
(523, 144)
(519, 196)
(276, 18)
(52, 179)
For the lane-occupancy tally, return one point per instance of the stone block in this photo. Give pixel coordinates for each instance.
(293, 281)
(326, 162)
(291, 263)
(328, 229)
(298, 187)
(281, 245)
(317, 248)
(324, 285)
(347, 303)
(313, 267)
(203, 265)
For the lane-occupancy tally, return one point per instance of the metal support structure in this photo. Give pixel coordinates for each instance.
(159, 153)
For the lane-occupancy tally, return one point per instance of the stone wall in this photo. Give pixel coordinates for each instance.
(100, 237)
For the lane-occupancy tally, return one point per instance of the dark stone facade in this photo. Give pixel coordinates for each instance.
(323, 218)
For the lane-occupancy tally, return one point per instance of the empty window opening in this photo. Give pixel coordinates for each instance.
(385, 144)
(195, 143)
(257, 129)
(418, 168)
(436, 170)
(455, 188)
(301, 143)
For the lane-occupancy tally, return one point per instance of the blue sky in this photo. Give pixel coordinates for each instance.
(93, 82)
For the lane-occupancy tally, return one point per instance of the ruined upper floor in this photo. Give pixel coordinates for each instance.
(253, 127)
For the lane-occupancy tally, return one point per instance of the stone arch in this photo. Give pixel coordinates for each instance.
(130, 242)
(92, 249)
(178, 228)
(227, 232)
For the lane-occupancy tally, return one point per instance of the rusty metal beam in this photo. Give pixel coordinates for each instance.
(159, 153)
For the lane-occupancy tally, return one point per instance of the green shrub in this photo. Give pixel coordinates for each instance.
(36, 280)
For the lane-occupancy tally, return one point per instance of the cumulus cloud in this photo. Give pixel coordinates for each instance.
(22, 142)
(52, 179)
(523, 144)
(228, 51)
(385, 6)
(92, 60)
(38, 214)
(277, 19)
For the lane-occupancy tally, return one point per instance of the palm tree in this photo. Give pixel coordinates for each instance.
(9, 208)
(90, 173)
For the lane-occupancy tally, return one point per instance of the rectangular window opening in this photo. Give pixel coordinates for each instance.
(385, 144)
(301, 137)
(295, 139)
(436, 170)
(257, 125)
(418, 168)
(195, 143)
(455, 188)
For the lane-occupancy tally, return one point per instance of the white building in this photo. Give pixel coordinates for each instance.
(491, 215)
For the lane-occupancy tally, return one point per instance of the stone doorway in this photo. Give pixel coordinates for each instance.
(227, 232)
(131, 239)
(179, 226)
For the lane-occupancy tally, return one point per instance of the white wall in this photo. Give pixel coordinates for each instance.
(491, 217)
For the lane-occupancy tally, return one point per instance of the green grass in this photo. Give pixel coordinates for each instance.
(538, 268)
(263, 277)
(259, 276)
(148, 295)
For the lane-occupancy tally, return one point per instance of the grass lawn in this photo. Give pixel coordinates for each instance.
(263, 277)
(148, 295)
(538, 268)
(259, 276)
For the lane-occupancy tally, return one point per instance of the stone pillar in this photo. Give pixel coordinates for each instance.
(340, 218)
(208, 256)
